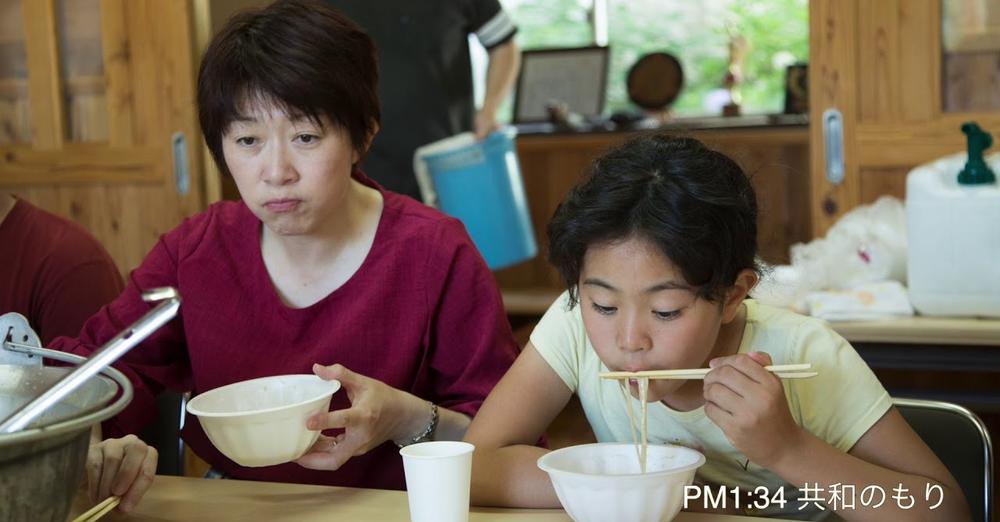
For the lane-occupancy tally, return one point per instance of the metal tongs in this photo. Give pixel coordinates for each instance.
(102, 358)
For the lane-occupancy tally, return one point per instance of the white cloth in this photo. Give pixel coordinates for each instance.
(864, 302)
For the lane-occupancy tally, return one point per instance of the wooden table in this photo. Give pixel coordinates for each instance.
(193, 499)
(950, 359)
(923, 330)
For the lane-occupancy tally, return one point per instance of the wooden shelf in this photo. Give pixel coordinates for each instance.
(528, 301)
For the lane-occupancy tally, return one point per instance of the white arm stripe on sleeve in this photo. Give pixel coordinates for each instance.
(496, 30)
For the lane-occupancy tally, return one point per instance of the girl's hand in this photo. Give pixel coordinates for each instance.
(378, 413)
(123, 467)
(748, 403)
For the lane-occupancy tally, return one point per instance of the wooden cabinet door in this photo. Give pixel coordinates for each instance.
(97, 115)
(902, 97)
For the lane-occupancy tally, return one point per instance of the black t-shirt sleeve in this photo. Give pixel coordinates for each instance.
(491, 25)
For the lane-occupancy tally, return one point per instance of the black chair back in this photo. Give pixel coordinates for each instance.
(165, 433)
(960, 439)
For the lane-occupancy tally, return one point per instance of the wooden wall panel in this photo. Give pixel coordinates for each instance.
(142, 71)
(81, 164)
(45, 89)
(879, 64)
(778, 175)
(117, 69)
(175, 80)
(876, 183)
(919, 56)
(879, 37)
(833, 83)
(127, 219)
(971, 81)
(124, 192)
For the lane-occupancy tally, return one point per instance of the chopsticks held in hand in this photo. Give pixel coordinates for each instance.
(784, 371)
(102, 508)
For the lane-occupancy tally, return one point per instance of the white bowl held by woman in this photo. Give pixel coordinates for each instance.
(262, 422)
(601, 482)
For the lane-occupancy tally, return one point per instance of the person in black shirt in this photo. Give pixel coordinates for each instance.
(425, 75)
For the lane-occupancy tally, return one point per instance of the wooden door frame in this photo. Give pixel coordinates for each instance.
(144, 80)
(879, 63)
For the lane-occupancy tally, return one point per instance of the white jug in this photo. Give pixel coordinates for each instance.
(953, 234)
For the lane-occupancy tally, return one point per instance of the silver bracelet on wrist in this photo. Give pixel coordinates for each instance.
(427, 432)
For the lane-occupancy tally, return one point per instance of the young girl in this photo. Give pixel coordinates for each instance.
(657, 249)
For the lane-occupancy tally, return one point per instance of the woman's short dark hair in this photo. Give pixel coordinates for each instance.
(299, 54)
(695, 204)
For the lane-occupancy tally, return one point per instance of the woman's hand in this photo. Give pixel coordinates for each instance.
(486, 123)
(748, 403)
(123, 467)
(378, 413)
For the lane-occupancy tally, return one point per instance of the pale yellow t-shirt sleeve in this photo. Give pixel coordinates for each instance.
(560, 339)
(846, 399)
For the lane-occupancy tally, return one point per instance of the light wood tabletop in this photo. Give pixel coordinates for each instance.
(923, 330)
(194, 499)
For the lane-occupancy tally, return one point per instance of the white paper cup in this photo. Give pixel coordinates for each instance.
(438, 474)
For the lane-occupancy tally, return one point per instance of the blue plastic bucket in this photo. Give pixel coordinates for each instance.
(480, 184)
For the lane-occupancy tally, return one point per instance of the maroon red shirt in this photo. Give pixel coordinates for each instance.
(53, 272)
(421, 314)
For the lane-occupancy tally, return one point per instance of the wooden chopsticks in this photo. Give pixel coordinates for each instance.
(784, 371)
(98, 511)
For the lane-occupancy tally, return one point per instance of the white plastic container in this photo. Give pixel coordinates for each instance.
(953, 233)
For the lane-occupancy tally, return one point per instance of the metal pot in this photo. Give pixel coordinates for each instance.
(41, 466)
(44, 437)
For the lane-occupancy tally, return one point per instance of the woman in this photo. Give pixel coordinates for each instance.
(318, 269)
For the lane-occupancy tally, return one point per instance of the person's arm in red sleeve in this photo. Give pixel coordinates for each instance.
(158, 362)
(118, 462)
(80, 285)
(471, 344)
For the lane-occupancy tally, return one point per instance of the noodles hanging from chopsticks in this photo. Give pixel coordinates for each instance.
(639, 433)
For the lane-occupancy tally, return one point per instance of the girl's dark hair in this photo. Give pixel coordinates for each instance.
(695, 204)
(300, 54)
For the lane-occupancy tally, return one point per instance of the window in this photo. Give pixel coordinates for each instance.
(697, 33)
(551, 23)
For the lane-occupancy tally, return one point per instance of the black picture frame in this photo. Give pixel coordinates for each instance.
(576, 76)
(797, 89)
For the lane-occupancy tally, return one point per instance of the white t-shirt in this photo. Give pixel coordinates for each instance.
(838, 406)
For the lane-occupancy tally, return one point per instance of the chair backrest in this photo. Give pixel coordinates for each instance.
(960, 439)
(165, 433)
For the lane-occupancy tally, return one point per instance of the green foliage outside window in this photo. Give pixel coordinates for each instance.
(696, 32)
